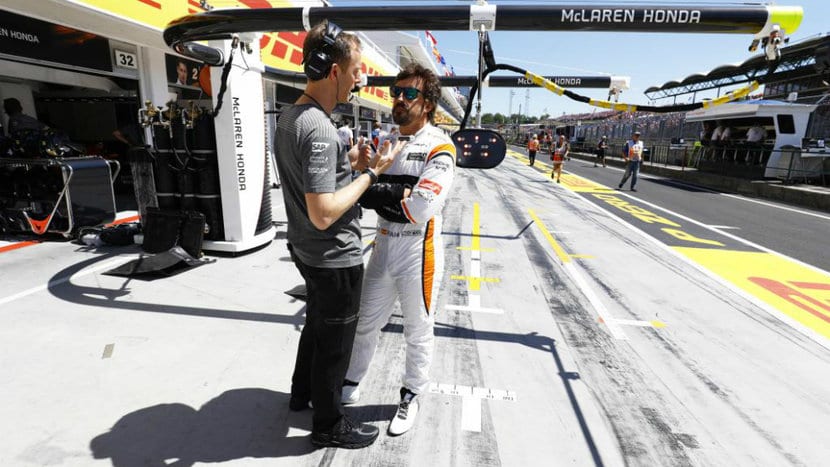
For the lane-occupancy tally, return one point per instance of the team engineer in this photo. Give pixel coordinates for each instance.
(323, 230)
(407, 260)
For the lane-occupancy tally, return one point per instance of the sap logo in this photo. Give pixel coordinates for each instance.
(319, 147)
(416, 156)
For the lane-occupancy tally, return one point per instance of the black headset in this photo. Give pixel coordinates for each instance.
(318, 63)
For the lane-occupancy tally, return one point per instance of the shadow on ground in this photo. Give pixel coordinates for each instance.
(239, 423)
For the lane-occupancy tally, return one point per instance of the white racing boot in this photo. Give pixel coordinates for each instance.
(406, 414)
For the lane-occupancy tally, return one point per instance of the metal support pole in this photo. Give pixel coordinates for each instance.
(481, 37)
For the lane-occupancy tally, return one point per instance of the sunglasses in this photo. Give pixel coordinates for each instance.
(408, 93)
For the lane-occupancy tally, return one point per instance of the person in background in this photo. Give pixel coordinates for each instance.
(346, 134)
(601, 147)
(633, 156)
(377, 134)
(532, 147)
(755, 137)
(756, 134)
(18, 121)
(719, 127)
(392, 136)
(559, 154)
(323, 234)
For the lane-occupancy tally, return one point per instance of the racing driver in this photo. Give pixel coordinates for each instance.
(407, 260)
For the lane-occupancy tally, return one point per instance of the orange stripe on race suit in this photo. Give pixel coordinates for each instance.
(406, 213)
(449, 148)
(428, 268)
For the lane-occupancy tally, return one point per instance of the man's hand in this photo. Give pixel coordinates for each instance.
(360, 155)
(386, 156)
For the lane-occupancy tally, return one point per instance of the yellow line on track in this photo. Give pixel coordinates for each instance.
(564, 257)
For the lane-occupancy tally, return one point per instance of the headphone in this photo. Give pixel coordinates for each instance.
(319, 61)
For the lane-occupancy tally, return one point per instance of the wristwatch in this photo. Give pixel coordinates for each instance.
(373, 177)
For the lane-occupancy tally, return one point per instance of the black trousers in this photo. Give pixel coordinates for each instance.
(532, 156)
(326, 341)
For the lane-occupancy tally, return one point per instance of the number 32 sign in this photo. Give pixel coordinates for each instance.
(126, 60)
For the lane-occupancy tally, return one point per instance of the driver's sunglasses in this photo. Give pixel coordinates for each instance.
(409, 94)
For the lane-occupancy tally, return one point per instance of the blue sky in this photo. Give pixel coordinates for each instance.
(648, 59)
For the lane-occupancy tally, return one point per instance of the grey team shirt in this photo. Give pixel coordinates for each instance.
(312, 159)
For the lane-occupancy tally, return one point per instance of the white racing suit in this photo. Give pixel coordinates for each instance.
(407, 262)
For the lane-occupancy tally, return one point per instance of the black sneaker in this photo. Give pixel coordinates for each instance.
(345, 434)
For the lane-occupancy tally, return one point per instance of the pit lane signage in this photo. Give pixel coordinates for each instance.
(32, 39)
(125, 59)
(601, 82)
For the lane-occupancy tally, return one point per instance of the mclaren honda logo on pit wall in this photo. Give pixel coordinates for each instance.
(239, 144)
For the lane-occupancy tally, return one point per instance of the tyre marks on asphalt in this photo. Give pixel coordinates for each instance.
(635, 411)
(615, 378)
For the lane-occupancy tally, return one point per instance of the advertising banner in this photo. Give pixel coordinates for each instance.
(281, 50)
(39, 40)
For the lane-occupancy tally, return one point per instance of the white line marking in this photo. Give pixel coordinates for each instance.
(592, 297)
(475, 268)
(78, 274)
(739, 197)
(475, 392)
(634, 322)
(724, 227)
(471, 414)
(493, 311)
(785, 208)
(474, 304)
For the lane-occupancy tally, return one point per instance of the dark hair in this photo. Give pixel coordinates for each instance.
(12, 106)
(431, 84)
(340, 52)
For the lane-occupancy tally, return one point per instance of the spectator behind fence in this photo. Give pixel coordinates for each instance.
(756, 134)
(755, 137)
